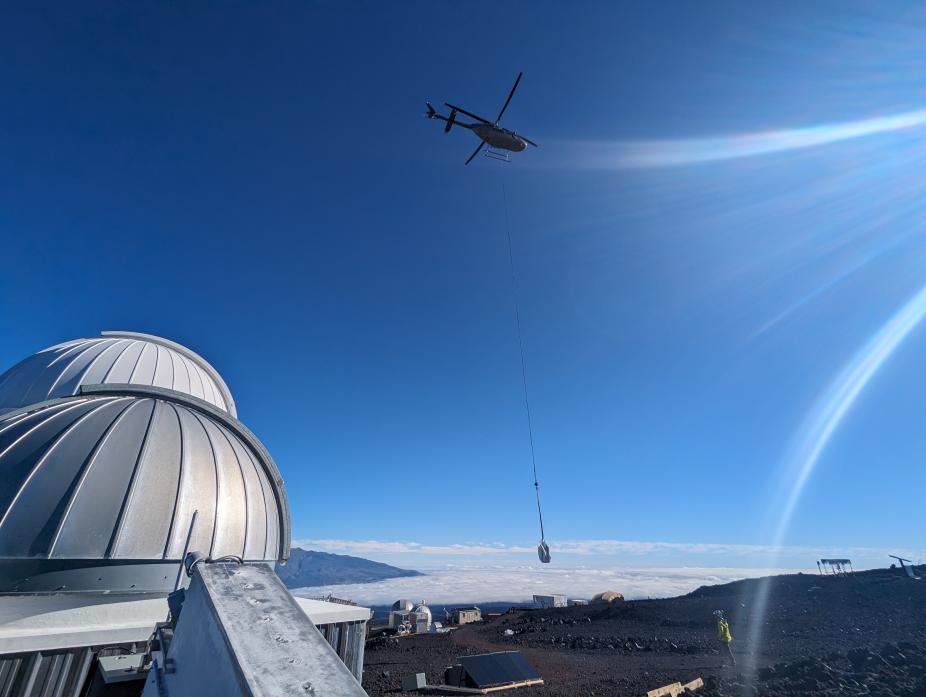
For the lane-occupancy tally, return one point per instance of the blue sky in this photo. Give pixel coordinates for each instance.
(257, 182)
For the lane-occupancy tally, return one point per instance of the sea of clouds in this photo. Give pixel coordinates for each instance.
(606, 554)
(473, 572)
(462, 585)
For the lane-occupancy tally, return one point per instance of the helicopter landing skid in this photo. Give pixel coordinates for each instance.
(500, 156)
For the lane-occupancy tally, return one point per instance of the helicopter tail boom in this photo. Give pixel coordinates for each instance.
(451, 120)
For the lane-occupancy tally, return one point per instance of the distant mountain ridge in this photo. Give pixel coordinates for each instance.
(310, 568)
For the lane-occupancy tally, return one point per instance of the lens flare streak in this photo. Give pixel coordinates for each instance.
(824, 420)
(842, 393)
(671, 153)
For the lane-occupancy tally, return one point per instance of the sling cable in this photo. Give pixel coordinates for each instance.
(543, 550)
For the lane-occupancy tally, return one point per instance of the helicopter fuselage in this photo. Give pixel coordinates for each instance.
(492, 137)
(498, 137)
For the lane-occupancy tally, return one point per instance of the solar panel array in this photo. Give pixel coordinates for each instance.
(499, 668)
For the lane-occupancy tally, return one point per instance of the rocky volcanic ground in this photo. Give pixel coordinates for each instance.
(863, 634)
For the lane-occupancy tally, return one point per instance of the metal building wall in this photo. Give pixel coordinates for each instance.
(64, 673)
(45, 673)
(348, 639)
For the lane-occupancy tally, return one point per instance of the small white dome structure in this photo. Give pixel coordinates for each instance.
(421, 617)
(112, 358)
(402, 605)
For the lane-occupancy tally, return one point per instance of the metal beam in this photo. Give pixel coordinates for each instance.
(240, 632)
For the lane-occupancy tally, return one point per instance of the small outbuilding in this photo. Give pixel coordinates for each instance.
(399, 614)
(466, 615)
(608, 597)
(545, 601)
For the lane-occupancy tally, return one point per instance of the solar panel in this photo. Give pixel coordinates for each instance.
(490, 669)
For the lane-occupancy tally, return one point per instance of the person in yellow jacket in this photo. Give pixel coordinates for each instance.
(723, 634)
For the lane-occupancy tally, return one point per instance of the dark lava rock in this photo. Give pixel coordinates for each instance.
(860, 636)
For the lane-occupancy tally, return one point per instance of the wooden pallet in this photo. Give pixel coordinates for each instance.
(676, 689)
(451, 690)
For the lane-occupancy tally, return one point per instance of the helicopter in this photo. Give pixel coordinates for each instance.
(490, 134)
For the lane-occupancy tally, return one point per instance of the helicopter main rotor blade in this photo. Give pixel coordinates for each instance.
(468, 113)
(507, 101)
(527, 140)
(475, 152)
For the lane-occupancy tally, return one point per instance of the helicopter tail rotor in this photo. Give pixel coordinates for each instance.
(450, 121)
(430, 113)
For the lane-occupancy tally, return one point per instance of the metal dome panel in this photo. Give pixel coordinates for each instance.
(112, 358)
(127, 475)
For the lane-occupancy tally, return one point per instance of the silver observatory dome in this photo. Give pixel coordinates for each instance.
(112, 358)
(109, 487)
